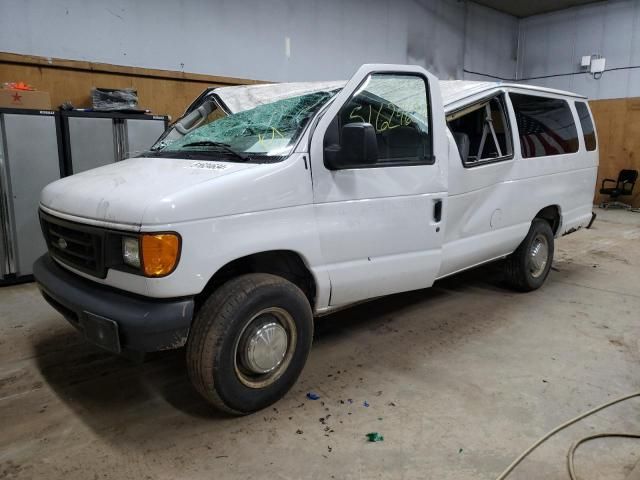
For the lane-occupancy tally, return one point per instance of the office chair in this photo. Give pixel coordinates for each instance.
(624, 187)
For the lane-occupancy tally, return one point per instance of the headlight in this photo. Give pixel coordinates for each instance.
(154, 255)
(131, 251)
(160, 253)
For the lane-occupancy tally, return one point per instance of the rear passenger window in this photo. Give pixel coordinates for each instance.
(545, 125)
(587, 125)
(482, 132)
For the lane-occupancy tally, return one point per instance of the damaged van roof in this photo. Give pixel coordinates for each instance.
(244, 97)
(455, 90)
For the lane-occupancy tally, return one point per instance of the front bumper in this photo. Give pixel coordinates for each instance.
(113, 319)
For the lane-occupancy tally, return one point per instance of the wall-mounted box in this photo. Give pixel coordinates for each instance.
(597, 65)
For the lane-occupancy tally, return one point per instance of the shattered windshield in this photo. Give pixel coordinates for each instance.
(268, 130)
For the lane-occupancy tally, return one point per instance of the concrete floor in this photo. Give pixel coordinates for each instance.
(459, 379)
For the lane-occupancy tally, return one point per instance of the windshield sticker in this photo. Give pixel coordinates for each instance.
(209, 165)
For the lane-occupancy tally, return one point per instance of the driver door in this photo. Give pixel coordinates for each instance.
(381, 218)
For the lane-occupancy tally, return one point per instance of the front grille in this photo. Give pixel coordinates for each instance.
(77, 245)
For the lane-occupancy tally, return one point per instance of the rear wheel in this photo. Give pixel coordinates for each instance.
(249, 342)
(527, 268)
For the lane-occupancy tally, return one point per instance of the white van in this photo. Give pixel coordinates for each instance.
(266, 206)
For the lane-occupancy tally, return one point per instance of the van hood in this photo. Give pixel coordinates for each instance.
(121, 192)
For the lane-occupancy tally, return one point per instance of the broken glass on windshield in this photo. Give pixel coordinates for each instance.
(270, 129)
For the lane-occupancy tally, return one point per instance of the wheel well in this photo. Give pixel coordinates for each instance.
(284, 263)
(552, 215)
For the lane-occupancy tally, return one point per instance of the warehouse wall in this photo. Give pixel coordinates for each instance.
(71, 81)
(491, 43)
(553, 43)
(328, 39)
(618, 123)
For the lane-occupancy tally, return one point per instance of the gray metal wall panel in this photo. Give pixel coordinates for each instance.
(329, 38)
(32, 155)
(490, 42)
(553, 43)
(633, 82)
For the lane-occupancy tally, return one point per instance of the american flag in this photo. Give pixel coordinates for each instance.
(537, 139)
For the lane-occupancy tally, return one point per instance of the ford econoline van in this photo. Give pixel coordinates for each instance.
(266, 206)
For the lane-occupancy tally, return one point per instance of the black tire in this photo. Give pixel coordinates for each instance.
(520, 267)
(213, 345)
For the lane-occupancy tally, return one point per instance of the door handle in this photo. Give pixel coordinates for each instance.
(437, 211)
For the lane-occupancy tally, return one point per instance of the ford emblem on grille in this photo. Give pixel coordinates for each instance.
(62, 243)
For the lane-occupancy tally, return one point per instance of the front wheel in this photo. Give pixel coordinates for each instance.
(527, 268)
(249, 342)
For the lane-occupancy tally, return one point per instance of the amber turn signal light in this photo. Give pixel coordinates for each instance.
(160, 253)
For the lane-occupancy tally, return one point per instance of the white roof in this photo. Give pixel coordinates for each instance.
(245, 97)
(455, 90)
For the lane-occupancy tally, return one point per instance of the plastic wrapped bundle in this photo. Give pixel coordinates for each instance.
(110, 99)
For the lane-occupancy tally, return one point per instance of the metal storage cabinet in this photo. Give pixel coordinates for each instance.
(29, 160)
(94, 139)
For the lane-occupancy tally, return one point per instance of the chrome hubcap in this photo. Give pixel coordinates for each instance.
(265, 347)
(539, 255)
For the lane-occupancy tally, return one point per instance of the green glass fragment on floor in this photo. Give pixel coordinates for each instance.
(374, 437)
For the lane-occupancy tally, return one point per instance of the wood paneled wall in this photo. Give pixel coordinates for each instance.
(618, 125)
(163, 92)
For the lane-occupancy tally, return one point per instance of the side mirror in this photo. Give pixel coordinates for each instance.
(358, 147)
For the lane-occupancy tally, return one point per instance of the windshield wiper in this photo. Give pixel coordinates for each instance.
(224, 146)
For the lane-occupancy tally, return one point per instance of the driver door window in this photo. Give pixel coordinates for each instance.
(396, 106)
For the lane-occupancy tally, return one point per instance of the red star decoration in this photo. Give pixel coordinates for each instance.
(16, 97)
